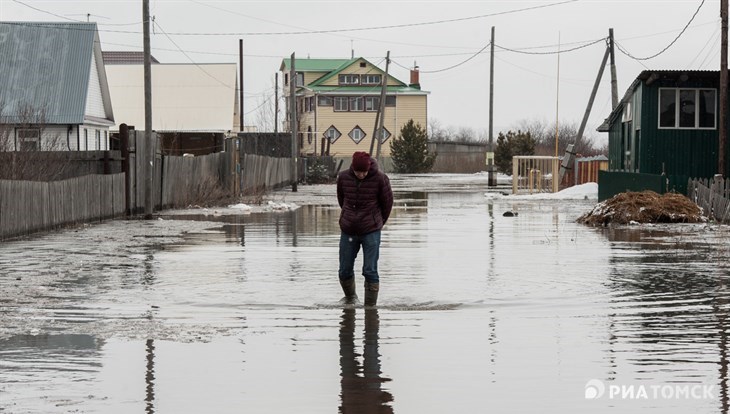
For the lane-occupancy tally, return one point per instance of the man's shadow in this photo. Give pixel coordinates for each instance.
(362, 383)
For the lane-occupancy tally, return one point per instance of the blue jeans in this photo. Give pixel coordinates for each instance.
(350, 246)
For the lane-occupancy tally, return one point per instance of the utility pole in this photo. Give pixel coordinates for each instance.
(380, 117)
(722, 130)
(614, 82)
(557, 100)
(149, 148)
(276, 103)
(240, 76)
(491, 179)
(293, 122)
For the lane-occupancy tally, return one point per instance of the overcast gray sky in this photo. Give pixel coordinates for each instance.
(443, 37)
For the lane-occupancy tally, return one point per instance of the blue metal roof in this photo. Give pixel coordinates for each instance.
(45, 67)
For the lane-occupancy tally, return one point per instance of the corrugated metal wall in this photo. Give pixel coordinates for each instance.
(679, 153)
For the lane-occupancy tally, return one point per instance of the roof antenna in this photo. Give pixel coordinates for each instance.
(352, 50)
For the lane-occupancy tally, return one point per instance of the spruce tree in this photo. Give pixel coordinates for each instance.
(410, 150)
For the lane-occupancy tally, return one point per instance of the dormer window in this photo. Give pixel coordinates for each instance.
(300, 79)
(349, 79)
(371, 79)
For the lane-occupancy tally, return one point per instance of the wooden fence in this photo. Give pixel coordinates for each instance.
(187, 180)
(31, 206)
(462, 158)
(260, 172)
(713, 195)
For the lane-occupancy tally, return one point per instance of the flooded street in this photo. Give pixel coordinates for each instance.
(211, 312)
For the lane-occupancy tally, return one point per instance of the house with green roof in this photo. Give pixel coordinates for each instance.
(337, 103)
(53, 88)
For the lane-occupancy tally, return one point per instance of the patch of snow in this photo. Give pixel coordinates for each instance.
(241, 206)
(587, 191)
(281, 206)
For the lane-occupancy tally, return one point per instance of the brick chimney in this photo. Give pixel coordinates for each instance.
(415, 83)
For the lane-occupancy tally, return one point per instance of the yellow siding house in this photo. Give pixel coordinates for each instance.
(337, 102)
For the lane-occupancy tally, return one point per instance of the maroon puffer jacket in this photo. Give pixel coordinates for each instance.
(366, 203)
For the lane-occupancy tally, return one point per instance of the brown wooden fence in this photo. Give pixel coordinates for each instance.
(187, 180)
(713, 195)
(29, 206)
(262, 172)
(462, 158)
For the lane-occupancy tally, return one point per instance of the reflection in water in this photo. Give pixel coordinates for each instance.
(671, 302)
(361, 384)
(149, 378)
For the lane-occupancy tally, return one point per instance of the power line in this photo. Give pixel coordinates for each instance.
(361, 29)
(711, 41)
(452, 66)
(552, 52)
(625, 52)
(191, 60)
(47, 12)
(73, 20)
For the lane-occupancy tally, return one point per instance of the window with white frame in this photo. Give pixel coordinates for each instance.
(341, 103)
(106, 140)
(356, 103)
(383, 135)
(332, 134)
(371, 79)
(684, 108)
(390, 100)
(372, 103)
(29, 139)
(86, 139)
(98, 139)
(349, 79)
(357, 134)
(325, 101)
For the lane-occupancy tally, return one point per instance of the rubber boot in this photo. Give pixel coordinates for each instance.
(371, 293)
(348, 287)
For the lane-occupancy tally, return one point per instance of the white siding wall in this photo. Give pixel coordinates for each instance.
(94, 99)
(59, 138)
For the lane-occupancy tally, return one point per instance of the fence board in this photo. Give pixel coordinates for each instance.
(30, 206)
(712, 196)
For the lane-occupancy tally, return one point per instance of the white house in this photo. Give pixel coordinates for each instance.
(53, 88)
(194, 106)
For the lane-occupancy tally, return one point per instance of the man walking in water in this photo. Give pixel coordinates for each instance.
(366, 199)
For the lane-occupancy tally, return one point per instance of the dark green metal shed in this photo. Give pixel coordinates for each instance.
(667, 124)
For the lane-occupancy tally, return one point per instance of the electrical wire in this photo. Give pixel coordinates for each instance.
(711, 43)
(456, 65)
(72, 20)
(625, 52)
(590, 43)
(360, 29)
(191, 60)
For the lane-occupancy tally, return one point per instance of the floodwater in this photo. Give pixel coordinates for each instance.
(222, 313)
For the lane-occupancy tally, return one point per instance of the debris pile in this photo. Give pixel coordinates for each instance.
(643, 207)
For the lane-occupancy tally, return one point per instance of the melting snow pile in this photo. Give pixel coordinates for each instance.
(587, 191)
(243, 207)
(643, 207)
(272, 206)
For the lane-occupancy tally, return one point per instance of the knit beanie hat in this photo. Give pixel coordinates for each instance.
(361, 161)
